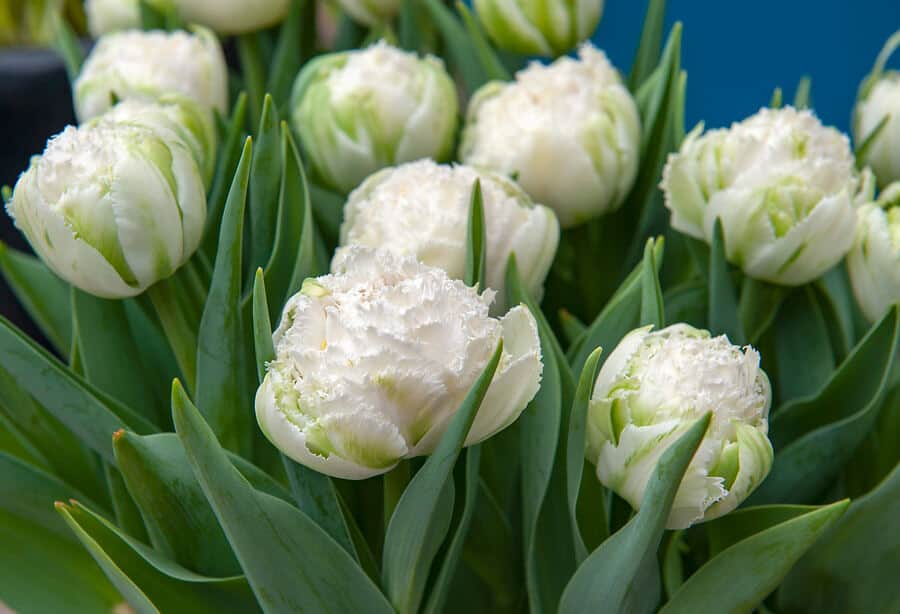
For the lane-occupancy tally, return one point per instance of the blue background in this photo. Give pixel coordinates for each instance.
(737, 52)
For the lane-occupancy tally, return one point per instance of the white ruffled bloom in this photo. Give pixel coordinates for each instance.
(150, 65)
(879, 98)
(538, 27)
(874, 260)
(112, 208)
(783, 186)
(651, 389)
(422, 208)
(371, 12)
(569, 132)
(373, 361)
(359, 111)
(225, 16)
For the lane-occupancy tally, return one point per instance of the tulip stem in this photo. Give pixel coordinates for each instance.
(395, 482)
(181, 336)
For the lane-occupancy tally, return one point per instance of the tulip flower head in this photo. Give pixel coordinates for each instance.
(421, 208)
(783, 186)
(371, 12)
(569, 132)
(359, 111)
(149, 66)
(651, 389)
(223, 16)
(373, 361)
(879, 103)
(874, 260)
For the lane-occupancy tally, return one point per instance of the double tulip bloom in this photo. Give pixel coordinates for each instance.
(878, 108)
(224, 16)
(874, 260)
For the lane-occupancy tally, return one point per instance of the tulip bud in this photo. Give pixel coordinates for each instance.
(224, 16)
(150, 65)
(569, 132)
(359, 111)
(111, 208)
(174, 117)
(874, 259)
(105, 16)
(421, 208)
(539, 27)
(782, 185)
(879, 100)
(371, 12)
(651, 389)
(373, 361)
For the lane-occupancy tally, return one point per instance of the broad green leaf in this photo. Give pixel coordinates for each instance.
(576, 442)
(253, 70)
(262, 198)
(328, 209)
(420, 523)
(127, 515)
(349, 34)
(652, 311)
(89, 414)
(852, 568)
(44, 295)
(803, 349)
(109, 353)
(273, 540)
(687, 303)
(651, 40)
(838, 306)
(672, 564)
(68, 47)
(493, 68)
(758, 306)
(803, 96)
(226, 165)
(461, 51)
(573, 329)
(409, 35)
(291, 50)
(147, 580)
(179, 324)
(476, 246)
(160, 366)
(814, 437)
(746, 522)
(220, 348)
(616, 574)
(741, 576)
(16, 444)
(723, 315)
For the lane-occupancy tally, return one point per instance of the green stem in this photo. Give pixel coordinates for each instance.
(181, 335)
(395, 483)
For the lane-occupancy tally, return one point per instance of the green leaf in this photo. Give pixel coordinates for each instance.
(758, 306)
(349, 34)
(741, 576)
(862, 150)
(262, 200)
(573, 329)
(43, 295)
(306, 261)
(652, 311)
(328, 210)
(127, 515)
(253, 69)
(852, 568)
(651, 41)
(220, 350)
(410, 39)
(273, 540)
(151, 17)
(146, 579)
(460, 48)
(814, 437)
(777, 100)
(746, 522)
(226, 165)
(293, 47)
(839, 307)
(476, 247)
(614, 575)
(109, 353)
(803, 349)
(68, 47)
(672, 565)
(262, 327)
(89, 414)
(576, 442)
(802, 97)
(178, 326)
(723, 316)
(420, 523)
(487, 57)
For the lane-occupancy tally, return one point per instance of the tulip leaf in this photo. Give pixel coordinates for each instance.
(262, 327)
(67, 45)
(422, 517)
(296, 38)
(273, 540)
(43, 295)
(839, 305)
(621, 314)
(758, 306)
(746, 522)
(253, 70)
(262, 198)
(306, 262)
(852, 568)
(220, 348)
(803, 95)
(409, 37)
(476, 246)
(672, 565)
(616, 574)
(127, 515)
(814, 437)
(576, 442)
(226, 166)
(487, 57)
(651, 41)
(777, 100)
(328, 211)
(92, 416)
(460, 48)
(723, 318)
(573, 329)
(652, 311)
(742, 575)
(687, 303)
(146, 579)
(862, 150)
(803, 349)
(109, 353)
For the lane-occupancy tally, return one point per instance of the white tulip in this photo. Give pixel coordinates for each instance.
(359, 111)
(874, 260)
(539, 27)
(879, 99)
(150, 65)
(373, 361)
(371, 12)
(422, 208)
(105, 16)
(782, 185)
(651, 389)
(569, 132)
(224, 16)
(111, 208)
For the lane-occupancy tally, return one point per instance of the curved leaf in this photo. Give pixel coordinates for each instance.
(476, 247)
(803, 350)
(723, 306)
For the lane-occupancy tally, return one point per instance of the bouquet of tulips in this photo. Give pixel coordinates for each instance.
(383, 314)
